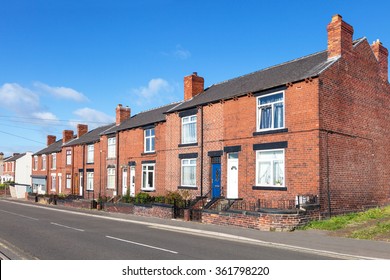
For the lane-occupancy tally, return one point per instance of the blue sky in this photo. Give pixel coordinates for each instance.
(65, 62)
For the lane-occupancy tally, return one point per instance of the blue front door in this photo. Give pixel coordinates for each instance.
(216, 180)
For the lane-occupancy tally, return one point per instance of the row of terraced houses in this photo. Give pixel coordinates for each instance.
(317, 126)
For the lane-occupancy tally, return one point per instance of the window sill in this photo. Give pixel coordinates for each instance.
(90, 163)
(187, 188)
(272, 131)
(188, 145)
(269, 188)
(148, 190)
(148, 153)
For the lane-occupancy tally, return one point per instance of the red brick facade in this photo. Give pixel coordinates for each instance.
(331, 144)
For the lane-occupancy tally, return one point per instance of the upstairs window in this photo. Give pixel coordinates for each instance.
(35, 163)
(68, 157)
(188, 129)
(53, 161)
(149, 140)
(111, 147)
(43, 162)
(270, 111)
(90, 153)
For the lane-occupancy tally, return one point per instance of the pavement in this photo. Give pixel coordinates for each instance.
(310, 241)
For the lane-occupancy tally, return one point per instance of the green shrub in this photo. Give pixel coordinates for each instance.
(143, 198)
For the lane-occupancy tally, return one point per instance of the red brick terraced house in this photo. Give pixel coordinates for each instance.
(46, 174)
(85, 161)
(315, 127)
(138, 163)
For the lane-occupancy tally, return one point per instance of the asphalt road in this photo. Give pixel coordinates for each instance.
(34, 232)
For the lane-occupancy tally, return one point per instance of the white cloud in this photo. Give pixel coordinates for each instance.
(46, 117)
(62, 92)
(16, 98)
(155, 91)
(181, 53)
(91, 117)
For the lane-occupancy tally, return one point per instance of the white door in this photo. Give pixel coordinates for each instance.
(132, 181)
(232, 175)
(124, 181)
(81, 183)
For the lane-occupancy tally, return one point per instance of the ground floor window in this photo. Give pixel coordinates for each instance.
(110, 178)
(188, 172)
(68, 181)
(270, 168)
(148, 177)
(89, 181)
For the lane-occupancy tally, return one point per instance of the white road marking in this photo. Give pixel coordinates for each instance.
(66, 226)
(143, 245)
(23, 216)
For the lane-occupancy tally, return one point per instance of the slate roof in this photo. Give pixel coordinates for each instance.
(14, 158)
(53, 148)
(90, 137)
(145, 118)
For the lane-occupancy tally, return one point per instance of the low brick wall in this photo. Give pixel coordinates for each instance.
(86, 204)
(259, 220)
(163, 211)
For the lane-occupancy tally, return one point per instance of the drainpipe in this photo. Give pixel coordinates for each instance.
(201, 151)
(84, 173)
(327, 175)
(117, 164)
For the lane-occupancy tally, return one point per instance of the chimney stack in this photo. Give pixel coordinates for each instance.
(67, 135)
(122, 113)
(340, 36)
(81, 130)
(51, 139)
(193, 85)
(382, 55)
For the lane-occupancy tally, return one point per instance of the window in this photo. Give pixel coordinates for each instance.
(68, 157)
(270, 111)
(111, 147)
(68, 181)
(90, 153)
(149, 140)
(53, 182)
(148, 177)
(110, 178)
(43, 162)
(188, 172)
(35, 163)
(188, 129)
(89, 181)
(270, 168)
(53, 161)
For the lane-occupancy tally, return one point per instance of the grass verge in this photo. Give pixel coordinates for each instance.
(371, 224)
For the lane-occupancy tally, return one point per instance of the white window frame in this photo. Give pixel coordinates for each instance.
(44, 162)
(90, 153)
(145, 169)
(68, 184)
(151, 139)
(272, 104)
(274, 182)
(111, 147)
(54, 161)
(190, 162)
(187, 121)
(90, 181)
(68, 157)
(53, 182)
(111, 178)
(35, 163)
